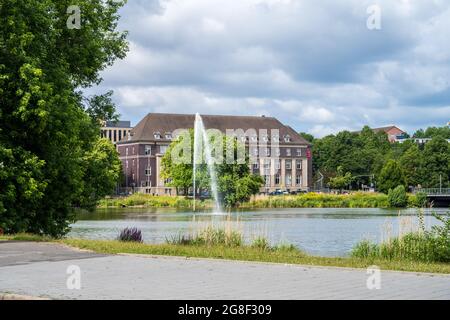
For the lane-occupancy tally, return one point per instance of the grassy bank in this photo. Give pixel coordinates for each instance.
(309, 200)
(283, 254)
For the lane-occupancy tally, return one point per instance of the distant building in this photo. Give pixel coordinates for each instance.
(288, 166)
(116, 131)
(394, 133)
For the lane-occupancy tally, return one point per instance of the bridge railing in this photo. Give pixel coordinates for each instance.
(434, 191)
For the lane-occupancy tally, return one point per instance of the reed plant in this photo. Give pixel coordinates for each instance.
(422, 245)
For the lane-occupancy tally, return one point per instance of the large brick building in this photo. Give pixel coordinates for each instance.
(288, 166)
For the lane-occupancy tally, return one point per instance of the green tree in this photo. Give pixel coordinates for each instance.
(397, 197)
(341, 180)
(436, 163)
(411, 161)
(309, 137)
(433, 132)
(46, 132)
(179, 173)
(101, 174)
(235, 182)
(391, 176)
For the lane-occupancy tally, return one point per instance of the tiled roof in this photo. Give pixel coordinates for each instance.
(163, 123)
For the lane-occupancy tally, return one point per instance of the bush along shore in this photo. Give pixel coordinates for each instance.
(309, 200)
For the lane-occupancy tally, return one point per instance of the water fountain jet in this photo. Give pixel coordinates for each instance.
(201, 139)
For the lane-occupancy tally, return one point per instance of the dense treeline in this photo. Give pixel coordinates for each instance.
(349, 160)
(51, 156)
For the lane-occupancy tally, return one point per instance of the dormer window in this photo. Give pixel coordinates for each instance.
(287, 138)
(254, 138)
(265, 138)
(157, 135)
(168, 136)
(275, 138)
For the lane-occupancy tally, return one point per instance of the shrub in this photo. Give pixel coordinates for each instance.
(425, 246)
(397, 197)
(418, 200)
(130, 235)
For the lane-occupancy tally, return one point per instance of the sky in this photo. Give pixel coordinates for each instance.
(318, 66)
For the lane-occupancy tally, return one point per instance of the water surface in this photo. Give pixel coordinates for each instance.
(318, 231)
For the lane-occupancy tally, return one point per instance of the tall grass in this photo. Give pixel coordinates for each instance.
(319, 200)
(309, 200)
(146, 200)
(421, 245)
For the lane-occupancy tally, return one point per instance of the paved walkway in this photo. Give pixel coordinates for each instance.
(41, 270)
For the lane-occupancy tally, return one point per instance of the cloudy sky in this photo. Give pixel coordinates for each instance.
(315, 65)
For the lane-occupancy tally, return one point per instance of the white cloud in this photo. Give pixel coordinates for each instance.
(315, 66)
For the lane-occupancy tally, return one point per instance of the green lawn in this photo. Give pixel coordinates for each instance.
(242, 253)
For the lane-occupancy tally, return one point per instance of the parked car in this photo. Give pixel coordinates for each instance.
(277, 192)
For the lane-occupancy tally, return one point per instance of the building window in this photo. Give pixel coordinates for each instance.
(168, 136)
(148, 150)
(288, 165)
(254, 138)
(256, 166)
(127, 164)
(287, 138)
(126, 151)
(267, 152)
(148, 171)
(133, 162)
(277, 179)
(255, 151)
(162, 149)
(275, 138)
(267, 180)
(115, 136)
(277, 152)
(288, 152)
(288, 179)
(278, 164)
(267, 166)
(120, 135)
(157, 135)
(299, 152)
(265, 138)
(133, 151)
(298, 164)
(298, 180)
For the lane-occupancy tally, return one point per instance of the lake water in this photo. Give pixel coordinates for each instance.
(318, 231)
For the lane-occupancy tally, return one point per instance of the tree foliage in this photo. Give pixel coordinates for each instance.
(47, 139)
(397, 197)
(235, 182)
(391, 176)
(341, 180)
(365, 153)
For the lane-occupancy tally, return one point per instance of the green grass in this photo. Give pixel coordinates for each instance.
(258, 251)
(309, 200)
(252, 253)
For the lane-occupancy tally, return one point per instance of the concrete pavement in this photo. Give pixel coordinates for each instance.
(39, 269)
